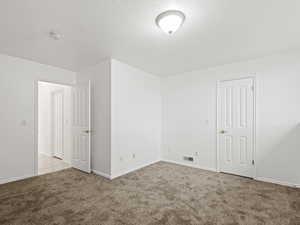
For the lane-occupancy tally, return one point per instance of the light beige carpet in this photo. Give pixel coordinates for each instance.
(159, 194)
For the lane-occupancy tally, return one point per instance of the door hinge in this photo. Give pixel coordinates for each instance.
(253, 162)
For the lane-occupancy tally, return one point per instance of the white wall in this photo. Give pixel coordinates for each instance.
(189, 114)
(126, 117)
(45, 125)
(135, 118)
(17, 77)
(100, 115)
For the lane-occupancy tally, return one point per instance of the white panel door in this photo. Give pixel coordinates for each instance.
(58, 127)
(81, 127)
(235, 126)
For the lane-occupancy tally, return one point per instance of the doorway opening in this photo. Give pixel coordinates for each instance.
(54, 127)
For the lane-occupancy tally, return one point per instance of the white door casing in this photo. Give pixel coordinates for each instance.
(235, 115)
(81, 127)
(58, 123)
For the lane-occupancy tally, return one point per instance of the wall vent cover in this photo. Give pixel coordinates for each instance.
(188, 158)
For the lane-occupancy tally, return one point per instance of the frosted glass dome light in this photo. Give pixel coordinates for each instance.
(170, 21)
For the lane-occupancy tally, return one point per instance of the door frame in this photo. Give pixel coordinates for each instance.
(52, 121)
(253, 77)
(36, 120)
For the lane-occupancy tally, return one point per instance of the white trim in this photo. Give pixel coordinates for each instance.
(52, 95)
(262, 179)
(217, 128)
(101, 174)
(46, 154)
(121, 173)
(253, 77)
(189, 165)
(12, 179)
(67, 161)
(274, 181)
(90, 123)
(118, 174)
(254, 124)
(36, 126)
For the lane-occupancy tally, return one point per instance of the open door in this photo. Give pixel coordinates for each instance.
(81, 127)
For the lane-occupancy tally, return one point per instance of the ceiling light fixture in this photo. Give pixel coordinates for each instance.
(170, 21)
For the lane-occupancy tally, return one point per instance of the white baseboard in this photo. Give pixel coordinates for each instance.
(274, 181)
(102, 174)
(46, 154)
(189, 165)
(263, 179)
(267, 180)
(12, 179)
(67, 161)
(121, 173)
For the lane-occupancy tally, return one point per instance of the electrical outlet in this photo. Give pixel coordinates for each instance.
(121, 159)
(196, 153)
(133, 156)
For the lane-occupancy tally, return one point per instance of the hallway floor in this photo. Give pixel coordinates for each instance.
(48, 164)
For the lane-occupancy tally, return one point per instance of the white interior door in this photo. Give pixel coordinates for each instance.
(235, 126)
(81, 127)
(58, 128)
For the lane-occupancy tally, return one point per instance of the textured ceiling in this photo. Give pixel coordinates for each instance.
(215, 32)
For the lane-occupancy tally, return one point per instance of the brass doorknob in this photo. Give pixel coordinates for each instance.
(222, 132)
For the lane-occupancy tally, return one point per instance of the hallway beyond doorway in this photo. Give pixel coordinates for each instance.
(48, 164)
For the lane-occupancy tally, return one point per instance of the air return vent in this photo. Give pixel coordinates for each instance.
(188, 158)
